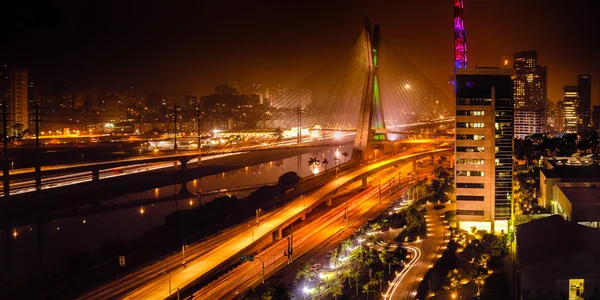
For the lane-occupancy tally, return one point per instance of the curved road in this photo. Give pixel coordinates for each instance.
(425, 253)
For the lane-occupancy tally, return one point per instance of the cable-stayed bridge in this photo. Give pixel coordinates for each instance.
(373, 93)
(373, 90)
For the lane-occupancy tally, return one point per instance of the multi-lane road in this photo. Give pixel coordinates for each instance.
(229, 244)
(55, 181)
(305, 239)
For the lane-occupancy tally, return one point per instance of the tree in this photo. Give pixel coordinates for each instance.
(345, 154)
(305, 273)
(279, 133)
(335, 287)
(251, 294)
(280, 292)
(313, 162)
(437, 282)
(454, 278)
(18, 131)
(387, 257)
(289, 178)
(379, 276)
(325, 163)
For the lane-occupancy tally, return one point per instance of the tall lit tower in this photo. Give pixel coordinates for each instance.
(460, 37)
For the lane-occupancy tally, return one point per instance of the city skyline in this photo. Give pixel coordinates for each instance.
(153, 48)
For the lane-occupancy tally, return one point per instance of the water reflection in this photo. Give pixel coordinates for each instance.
(39, 248)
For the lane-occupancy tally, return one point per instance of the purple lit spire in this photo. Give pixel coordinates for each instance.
(460, 37)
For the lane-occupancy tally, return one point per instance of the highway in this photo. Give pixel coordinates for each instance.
(305, 239)
(234, 241)
(159, 268)
(75, 178)
(425, 253)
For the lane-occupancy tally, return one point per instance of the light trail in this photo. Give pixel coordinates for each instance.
(400, 276)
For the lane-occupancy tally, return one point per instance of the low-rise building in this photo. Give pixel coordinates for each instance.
(558, 259)
(573, 192)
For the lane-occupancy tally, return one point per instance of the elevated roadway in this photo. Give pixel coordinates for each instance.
(271, 227)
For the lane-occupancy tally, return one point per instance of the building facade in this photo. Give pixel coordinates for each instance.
(584, 91)
(18, 103)
(570, 109)
(484, 148)
(530, 93)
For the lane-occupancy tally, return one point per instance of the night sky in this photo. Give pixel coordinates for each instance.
(172, 46)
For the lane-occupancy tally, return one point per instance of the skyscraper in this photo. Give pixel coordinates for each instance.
(570, 109)
(484, 148)
(18, 100)
(530, 93)
(584, 91)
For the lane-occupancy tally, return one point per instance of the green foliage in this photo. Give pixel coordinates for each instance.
(496, 287)
(289, 178)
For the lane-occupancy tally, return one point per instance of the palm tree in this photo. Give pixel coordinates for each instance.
(345, 154)
(313, 162)
(325, 163)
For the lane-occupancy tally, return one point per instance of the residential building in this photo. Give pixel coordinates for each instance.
(530, 93)
(484, 148)
(570, 109)
(18, 100)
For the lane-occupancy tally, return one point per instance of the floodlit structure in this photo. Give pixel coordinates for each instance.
(484, 148)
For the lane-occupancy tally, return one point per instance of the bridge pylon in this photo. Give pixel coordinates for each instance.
(370, 130)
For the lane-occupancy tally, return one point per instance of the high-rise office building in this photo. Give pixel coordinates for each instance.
(17, 106)
(484, 148)
(570, 109)
(530, 93)
(584, 91)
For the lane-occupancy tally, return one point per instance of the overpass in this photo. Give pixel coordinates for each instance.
(330, 189)
(78, 173)
(272, 227)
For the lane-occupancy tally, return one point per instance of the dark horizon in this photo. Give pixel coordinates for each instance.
(195, 46)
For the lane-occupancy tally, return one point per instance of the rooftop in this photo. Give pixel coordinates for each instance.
(485, 71)
(590, 172)
(581, 195)
(551, 237)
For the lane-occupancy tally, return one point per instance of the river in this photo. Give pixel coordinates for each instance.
(86, 233)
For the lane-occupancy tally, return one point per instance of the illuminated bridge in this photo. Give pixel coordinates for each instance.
(372, 95)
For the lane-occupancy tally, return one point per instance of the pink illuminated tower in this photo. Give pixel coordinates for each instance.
(460, 37)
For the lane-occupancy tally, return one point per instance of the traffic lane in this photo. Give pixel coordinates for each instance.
(330, 224)
(181, 278)
(193, 252)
